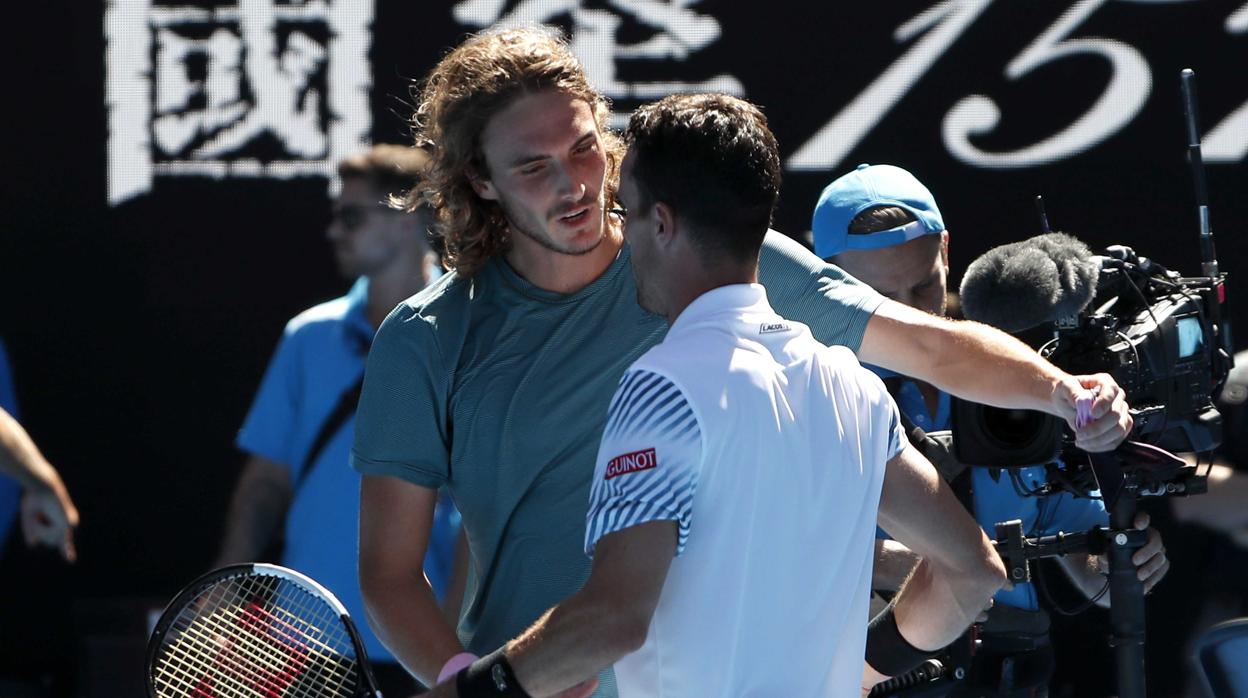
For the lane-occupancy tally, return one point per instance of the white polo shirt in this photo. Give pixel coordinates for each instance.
(768, 449)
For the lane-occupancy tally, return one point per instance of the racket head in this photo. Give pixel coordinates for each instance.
(256, 630)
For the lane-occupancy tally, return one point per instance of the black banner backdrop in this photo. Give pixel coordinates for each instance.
(169, 166)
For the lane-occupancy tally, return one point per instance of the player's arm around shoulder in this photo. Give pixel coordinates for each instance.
(960, 357)
(803, 288)
(606, 620)
(981, 363)
(638, 520)
(562, 653)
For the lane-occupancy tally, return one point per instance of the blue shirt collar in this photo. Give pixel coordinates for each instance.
(357, 306)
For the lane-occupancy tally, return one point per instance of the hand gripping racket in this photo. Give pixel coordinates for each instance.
(257, 631)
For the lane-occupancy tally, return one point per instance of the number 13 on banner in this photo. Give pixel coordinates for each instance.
(943, 24)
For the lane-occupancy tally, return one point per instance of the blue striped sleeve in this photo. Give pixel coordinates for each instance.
(648, 461)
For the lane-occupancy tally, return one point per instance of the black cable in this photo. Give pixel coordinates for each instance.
(1042, 586)
(1020, 488)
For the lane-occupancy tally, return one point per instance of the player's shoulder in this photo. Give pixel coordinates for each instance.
(669, 376)
(652, 399)
(435, 306)
(843, 364)
(432, 322)
(674, 358)
(447, 293)
(779, 243)
(839, 356)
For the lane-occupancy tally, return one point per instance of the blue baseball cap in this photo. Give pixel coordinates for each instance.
(872, 186)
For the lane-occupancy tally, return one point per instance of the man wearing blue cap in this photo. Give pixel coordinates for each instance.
(881, 225)
(877, 216)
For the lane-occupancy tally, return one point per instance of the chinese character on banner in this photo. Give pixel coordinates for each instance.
(252, 88)
(676, 32)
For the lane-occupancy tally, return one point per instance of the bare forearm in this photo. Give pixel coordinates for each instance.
(959, 572)
(985, 365)
(604, 621)
(48, 515)
(967, 359)
(257, 510)
(404, 613)
(21, 459)
(893, 564)
(453, 597)
(572, 642)
(1018, 376)
(935, 606)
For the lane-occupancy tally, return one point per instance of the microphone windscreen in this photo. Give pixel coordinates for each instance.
(1021, 285)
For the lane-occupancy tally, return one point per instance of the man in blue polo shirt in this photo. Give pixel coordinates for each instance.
(300, 428)
(880, 224)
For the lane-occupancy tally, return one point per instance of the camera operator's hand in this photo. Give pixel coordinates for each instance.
(1151, 563)
(1110, 422)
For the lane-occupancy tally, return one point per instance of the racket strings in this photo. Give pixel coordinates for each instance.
(272, 644)
(256, 637)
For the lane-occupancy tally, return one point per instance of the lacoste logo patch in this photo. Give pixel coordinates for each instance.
(631, 463)
(769, 327)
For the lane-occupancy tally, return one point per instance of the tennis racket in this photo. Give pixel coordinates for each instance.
(257, 631)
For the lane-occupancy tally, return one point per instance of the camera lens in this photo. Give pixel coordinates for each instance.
(1013, 429)
(1004, 438)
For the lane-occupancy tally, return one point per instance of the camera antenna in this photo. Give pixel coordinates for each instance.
(1044, 217)
(1208, 257)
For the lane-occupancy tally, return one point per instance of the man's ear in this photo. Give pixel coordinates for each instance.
(665, 219)
(483, 187)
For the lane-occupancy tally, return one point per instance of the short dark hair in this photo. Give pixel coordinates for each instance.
(393, 170)
(873, 220)
(713, 159)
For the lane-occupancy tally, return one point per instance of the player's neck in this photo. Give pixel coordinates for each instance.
(563, 273)
(394, 284)
(698, 281)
